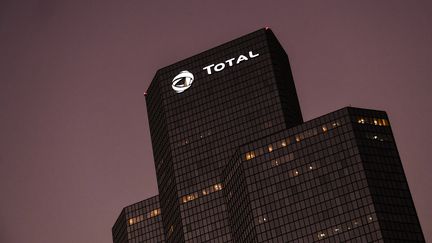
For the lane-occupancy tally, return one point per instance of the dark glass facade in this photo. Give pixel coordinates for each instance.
(236, 163)
(336, 178)
(139, 222)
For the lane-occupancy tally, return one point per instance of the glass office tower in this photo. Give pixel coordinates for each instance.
(217, 120)
(337, 178)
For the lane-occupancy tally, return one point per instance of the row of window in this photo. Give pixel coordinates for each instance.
(378, 137)
(373, 121)
(344, 227)
(297, 171)
(297, 138)
(203, 192)
(141, 217)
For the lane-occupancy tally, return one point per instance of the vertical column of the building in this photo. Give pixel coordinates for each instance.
(119, 230)
(238, 202)
(386, 179)
(164, 163)
(284, 82)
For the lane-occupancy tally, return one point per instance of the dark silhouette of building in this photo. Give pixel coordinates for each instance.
(236, 163)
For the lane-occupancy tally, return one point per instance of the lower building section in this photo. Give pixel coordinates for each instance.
(337, 178)
(139, 222)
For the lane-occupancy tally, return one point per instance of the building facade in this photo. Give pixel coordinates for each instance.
(236, 163)
(139, 222)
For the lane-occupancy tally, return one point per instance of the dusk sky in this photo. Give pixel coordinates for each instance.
(74, 137)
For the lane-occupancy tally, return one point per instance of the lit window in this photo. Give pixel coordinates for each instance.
(311, 167)
(250, 155)
(275, 162)
(370, 218)
(361, 120)
(283, 143)
(293, 173)
(136, 219)
(336, 124)
(321, 235)
(154, 213)
(324, 128)
(297, 138)
(218, 187)
(205, 192)
(262, 219)
(270, 148)
(189, 197)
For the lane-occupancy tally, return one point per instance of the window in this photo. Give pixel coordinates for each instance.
(203, 192)
(136, 219)
(293, 173)
(270, 148)
(373, 121)
(154, 213)
(321, 235)
(324, 128)
(250, 155)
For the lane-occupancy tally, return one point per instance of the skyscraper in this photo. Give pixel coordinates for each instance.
(236, 163)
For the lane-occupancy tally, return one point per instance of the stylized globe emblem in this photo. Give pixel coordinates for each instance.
(182, 81)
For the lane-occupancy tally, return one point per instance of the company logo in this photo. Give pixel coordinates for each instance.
(182, 81)
(231, 62)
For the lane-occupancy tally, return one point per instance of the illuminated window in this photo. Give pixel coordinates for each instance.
(189, 197)
(321, 235)
(355, 224)
(218, 187)
(250, 155)
(270, 148)
(284, 142)
(324, 128)
(262, 219)
(205, 192)
(312, 166)
(297, 138)
(293, 173)
(154, 213)
(336, 124)
(275, 162)
(136, 219)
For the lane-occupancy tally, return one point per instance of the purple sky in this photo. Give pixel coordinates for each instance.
(74, 137)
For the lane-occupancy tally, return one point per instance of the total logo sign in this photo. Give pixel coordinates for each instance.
(184, 79)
